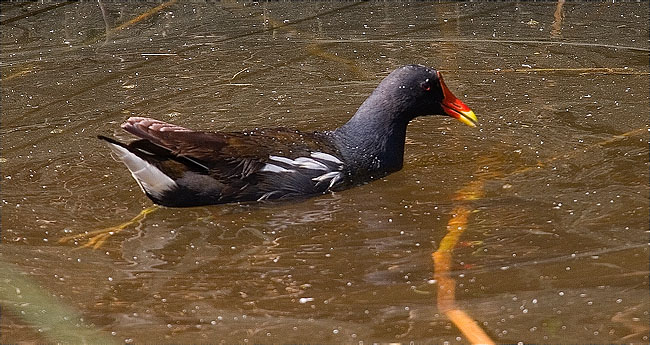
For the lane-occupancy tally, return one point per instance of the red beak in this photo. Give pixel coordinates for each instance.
(454, 107)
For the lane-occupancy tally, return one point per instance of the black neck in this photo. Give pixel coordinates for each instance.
(373, 139)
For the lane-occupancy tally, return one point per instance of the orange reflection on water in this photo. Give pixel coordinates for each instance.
(446, 296)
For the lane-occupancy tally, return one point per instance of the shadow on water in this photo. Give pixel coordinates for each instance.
(555, 249)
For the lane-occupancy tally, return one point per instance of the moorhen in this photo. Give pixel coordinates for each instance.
(180, 167)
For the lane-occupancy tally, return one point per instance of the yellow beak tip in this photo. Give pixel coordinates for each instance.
(468, 118)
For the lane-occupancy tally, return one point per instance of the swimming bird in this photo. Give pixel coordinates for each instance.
(180, 167)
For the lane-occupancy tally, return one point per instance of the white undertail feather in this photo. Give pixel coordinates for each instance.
(150, 179)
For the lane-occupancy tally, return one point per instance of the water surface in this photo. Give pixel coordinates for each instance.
(556, 249)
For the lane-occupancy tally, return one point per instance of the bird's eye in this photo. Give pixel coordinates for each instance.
(426, 85)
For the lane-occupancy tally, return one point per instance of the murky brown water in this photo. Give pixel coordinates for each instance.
(557, 250)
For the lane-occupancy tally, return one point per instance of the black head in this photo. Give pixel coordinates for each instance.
(418, 90)
(374, 137)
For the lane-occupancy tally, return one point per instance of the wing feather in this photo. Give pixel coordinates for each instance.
(253, 165)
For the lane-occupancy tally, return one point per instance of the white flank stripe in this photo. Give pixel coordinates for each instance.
(274, 168)
(284, 160)
(336, 178)
(267, 195)
(333, 176)
(326, 157)
(309, 163)
(150, 179)
(327, 176)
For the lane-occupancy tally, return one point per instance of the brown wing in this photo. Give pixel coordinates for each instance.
(213, 149)
(249, 165)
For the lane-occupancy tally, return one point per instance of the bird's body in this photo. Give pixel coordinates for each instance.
(180, 167)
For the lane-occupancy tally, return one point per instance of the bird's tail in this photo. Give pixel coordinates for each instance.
(151, 180)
